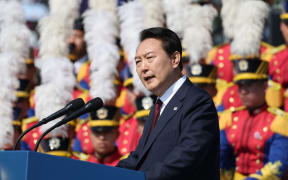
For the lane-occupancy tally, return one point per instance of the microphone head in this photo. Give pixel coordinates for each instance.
(75, 104)
(93, 105)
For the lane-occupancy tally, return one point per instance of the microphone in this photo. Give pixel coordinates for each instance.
(90, 106)
(70, 107)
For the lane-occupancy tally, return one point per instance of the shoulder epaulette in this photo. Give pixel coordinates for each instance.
(80, 122)
(266, 45)
(270, 52)
(81, 156)
(276, 49)
(226, 117)
(280, 122)
(274, 94)
(26, 121)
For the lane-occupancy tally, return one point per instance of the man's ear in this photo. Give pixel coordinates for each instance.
(175, 57)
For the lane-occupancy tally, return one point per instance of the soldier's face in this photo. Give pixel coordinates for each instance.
(78, 41)
(154, 67)
(104, 142)
(252, 95)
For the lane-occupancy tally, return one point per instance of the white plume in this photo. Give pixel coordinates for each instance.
(153, 13)
(14, 49)
(174, 14)
(9, 83)
(67, 8)
(58, 71)
(228, 15)
(104, 5)
(7, 131)
(250, 23)
(197, 30)
(11, 12)
(132, 17)
(55, 98)
(53, 36)
(15, 37)
(101, 32)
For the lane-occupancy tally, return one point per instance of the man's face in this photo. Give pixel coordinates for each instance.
(104, 142)
(252, 95)
(77, 39)
(154, 67)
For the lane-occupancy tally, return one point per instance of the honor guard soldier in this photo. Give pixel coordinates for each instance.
(220, 55)
(98, 136)
(254, 137)
(278, 65)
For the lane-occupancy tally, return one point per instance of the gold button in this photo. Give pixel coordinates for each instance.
(237, 159)
(235, 119)
(234, 126)
(85, 128)
(35, 141)
(258, 154)
(221, 65)
(265, 129)
(277, 71)
(35, 135)
(231, 99)
(258, 147)
(221, 74)
(124, 150)
(257, 161)
(125, 142)
(221, 58)
(220, 51)
(127, 126)
(275, 63)
(232, 92)
(232, 108)
(126, 133)
(85, 133)
(86, 141)
(232, 136)
(237, 168)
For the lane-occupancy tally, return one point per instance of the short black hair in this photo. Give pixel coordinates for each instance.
(170, 40)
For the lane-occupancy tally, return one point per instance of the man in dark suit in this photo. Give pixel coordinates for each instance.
(181, 136)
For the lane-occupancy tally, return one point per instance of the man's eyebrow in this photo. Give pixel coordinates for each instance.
(138, 57)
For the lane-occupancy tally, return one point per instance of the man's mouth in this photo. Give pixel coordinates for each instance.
(147, 78)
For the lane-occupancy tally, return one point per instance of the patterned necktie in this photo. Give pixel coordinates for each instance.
(156, 113)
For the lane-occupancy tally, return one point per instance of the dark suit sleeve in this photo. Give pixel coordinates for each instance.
(199, 135)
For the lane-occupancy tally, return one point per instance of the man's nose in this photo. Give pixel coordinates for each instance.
(144, 67)
(243, 91)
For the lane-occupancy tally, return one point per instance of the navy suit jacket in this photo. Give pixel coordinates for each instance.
(185, 141)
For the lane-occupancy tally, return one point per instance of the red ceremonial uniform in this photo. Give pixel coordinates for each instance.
(109, 160)
(129, 136)
(249, 141)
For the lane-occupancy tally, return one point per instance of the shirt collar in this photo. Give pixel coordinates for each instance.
(169, 93)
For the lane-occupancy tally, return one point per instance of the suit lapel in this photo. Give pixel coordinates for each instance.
(174, 105)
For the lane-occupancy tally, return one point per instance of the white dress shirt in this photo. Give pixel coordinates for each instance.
(170, 92)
